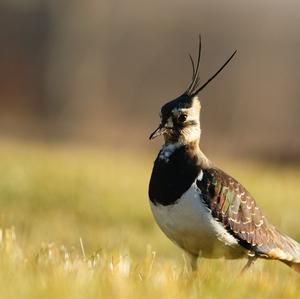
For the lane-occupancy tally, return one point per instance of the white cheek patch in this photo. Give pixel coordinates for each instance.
(191, 127)
(193, 118)
(190, 134)
(169, 123)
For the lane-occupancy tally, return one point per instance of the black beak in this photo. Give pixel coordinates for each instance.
(159, 131)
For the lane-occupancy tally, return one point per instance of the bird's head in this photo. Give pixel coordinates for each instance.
(180, 118)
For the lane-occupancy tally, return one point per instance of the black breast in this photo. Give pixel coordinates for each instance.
(173, 176)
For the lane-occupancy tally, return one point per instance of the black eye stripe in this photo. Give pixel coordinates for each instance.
(182, 117)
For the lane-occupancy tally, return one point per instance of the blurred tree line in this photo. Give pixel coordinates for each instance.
(99, 70)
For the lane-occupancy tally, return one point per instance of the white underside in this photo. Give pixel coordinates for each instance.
(190, 225)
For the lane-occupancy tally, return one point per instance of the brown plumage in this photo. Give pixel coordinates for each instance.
(233, 206)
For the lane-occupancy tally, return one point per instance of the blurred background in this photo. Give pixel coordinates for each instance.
(81, 86)
(98, 71)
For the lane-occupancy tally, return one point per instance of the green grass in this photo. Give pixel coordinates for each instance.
(52, 197)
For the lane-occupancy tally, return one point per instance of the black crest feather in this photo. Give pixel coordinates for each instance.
(194, 87)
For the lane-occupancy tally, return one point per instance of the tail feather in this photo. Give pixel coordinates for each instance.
(287, 251)
(294, 266)
(291, 248)
(283, 248)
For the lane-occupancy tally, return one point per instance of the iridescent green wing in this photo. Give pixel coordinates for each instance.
(233, 206)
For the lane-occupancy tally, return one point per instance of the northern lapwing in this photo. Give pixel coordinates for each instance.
(198, 206)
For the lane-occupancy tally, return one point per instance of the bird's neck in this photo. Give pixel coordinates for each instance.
(192, 148)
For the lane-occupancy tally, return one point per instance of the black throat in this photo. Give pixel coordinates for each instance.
(173, 173)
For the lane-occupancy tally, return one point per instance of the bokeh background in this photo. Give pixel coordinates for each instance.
(81, 85)
(98, 71)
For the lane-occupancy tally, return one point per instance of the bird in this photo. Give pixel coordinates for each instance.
(198, 206)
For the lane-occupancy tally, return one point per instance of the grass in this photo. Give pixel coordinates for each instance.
(75, 223)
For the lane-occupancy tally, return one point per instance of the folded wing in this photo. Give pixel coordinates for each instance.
(233, 206)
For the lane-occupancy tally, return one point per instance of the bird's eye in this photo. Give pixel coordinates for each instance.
(182, 118)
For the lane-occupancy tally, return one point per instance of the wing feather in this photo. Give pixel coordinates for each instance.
(233, 206)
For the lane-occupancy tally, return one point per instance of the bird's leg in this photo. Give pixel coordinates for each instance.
(250, 262)
(192, 259)
(193, 262)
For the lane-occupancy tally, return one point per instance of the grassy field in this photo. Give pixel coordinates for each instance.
(75, 223)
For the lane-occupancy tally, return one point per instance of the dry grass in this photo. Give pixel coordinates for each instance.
(53, 197)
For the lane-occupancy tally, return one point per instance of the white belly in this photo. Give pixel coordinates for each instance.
(190, 225)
